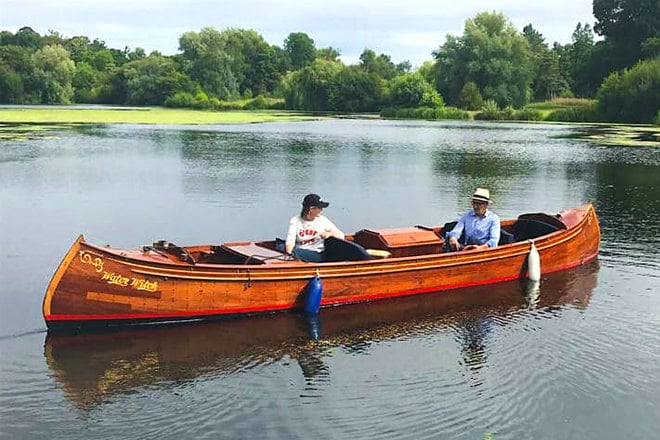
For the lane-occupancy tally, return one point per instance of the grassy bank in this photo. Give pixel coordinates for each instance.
(151, 115)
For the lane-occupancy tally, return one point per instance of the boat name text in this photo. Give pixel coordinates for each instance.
(136, 283)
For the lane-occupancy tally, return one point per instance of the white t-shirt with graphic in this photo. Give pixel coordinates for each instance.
(305, 234)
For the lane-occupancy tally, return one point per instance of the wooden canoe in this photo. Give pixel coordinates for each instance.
(98, 287)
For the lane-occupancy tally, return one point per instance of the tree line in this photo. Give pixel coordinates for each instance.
(492, 66)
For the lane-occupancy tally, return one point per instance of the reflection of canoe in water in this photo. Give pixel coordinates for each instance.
(100, 286)
(93, 367)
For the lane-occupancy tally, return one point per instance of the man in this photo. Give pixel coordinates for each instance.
(482, 227)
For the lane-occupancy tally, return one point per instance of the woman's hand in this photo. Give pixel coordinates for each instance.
(328, 233)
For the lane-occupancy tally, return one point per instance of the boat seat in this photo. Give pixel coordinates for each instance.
(552, 220)
(506, 237)
(526, 229)
(252, 253)
(337, 249)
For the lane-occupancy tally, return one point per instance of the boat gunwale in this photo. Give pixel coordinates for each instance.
(266, 272)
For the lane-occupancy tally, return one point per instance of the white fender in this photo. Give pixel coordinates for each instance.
(533, 263)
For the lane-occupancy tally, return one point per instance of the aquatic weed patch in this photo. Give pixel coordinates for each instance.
(622, 135)
(145, 115)
(28, 131)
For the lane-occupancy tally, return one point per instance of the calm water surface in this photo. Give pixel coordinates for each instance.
(580, 359)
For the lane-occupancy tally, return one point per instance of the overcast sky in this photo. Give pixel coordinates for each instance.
(404, 29)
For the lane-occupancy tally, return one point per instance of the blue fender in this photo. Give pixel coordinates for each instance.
(313, 293)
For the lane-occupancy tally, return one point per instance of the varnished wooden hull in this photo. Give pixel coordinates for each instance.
(100, 286)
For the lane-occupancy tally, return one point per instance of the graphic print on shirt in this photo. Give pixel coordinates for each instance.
(306, 236)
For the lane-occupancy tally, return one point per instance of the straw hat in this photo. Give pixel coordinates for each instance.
(481, 195)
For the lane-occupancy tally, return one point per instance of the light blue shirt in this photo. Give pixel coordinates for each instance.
(478, 230)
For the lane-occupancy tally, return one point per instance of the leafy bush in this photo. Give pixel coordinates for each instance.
(426, 113)
(574, 114)
(507, 114)
(412, 90)
(489, 112)
(633, 95)
(180, 100)
(277, 104)
(558, 103)
(229, 105)
(258, 103)
(528, 114)
(453, 113)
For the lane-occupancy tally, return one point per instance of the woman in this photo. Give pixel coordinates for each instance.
(307, 231)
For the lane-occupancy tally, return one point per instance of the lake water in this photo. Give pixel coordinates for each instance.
(579, 360)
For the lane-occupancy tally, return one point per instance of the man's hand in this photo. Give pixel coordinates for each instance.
(474, 247)
(453, 243)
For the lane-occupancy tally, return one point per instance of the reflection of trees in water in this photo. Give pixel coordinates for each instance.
(223, 159)
(629, 199)
(486, 167)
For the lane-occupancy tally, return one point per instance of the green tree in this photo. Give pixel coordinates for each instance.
(427, 70)
(380, 65)
(78, 48)
(311, 87)
(151, 80)
(256, 65)
(328, 53)
(26, 37)
(85, 80)
(548, 81)
(353, 90)
(205, 60)
(403, 67)
(6, 38)
(136, 54)
(493, 55)
(651, 48)
(16, 70)
(53, 38)
(582, 70)
(626, 25)
(300, 50)
(632, 95)
(11, 86)
(53, 74)
(103, 60)
(470, 97)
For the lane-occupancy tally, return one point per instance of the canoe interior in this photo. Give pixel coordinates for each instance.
(363, 245)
